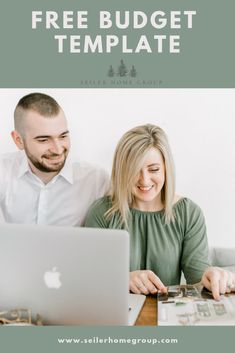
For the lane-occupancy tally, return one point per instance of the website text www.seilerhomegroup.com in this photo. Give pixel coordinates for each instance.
(112, 340)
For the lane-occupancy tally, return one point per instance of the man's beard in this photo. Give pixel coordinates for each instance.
(42, 167)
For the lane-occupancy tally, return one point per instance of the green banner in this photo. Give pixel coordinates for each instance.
(117, 44)
(107, 339)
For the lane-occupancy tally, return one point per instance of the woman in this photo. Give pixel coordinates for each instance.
(167, 231)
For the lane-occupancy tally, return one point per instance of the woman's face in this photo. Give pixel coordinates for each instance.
(147, 190)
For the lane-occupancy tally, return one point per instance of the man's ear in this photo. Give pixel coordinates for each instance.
(17, 139)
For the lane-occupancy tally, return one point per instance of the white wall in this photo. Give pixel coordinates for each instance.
(200, 125)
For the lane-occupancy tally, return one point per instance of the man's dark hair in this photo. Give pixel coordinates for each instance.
(37, 102)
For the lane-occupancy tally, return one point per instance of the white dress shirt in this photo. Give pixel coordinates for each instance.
(65, 200)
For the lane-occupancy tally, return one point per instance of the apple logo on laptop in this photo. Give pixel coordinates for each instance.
(52, 279)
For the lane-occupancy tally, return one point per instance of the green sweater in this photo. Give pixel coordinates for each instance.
(166, 249)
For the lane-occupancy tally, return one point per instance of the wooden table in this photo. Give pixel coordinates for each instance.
(148, 314)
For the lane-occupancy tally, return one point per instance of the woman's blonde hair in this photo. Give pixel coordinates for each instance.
(128, 160)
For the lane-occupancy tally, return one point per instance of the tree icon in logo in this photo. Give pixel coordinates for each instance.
(110, 71)
(133, 71)
(122, 70)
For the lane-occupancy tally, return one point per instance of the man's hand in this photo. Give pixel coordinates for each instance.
(218, 281)
(145, 282)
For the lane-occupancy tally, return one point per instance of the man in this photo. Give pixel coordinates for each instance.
(39, 184)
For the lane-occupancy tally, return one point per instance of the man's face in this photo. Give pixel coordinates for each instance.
(46, 141)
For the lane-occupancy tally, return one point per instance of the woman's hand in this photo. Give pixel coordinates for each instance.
(145, 282)
(218, 281)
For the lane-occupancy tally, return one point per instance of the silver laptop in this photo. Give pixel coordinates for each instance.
(67, 275)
